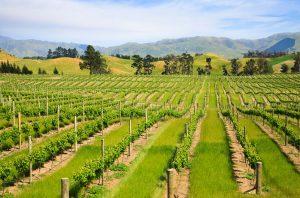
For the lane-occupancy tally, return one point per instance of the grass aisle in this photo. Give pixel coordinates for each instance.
(147, 177)
(211, 172)
(50, 185)
(279, 176)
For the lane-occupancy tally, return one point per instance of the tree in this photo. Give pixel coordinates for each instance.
(284, 68)
(200, 71)
(250, 67)
(25, 70)
(225, 72)
(208, 66)
(147, 64)
(137, 64)
(296, 67)
(263, 66)
(171, 65)
(41, 71)
(235, 66)
(55, 71)
(93, 61)
(186, 62)
(50, 54)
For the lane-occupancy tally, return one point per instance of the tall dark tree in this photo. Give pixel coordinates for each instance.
(235, 66)
(225, 72)
(250, 68)
(50, 54)
(147, 64)
(171, 65)
(55, 71)
(208, 66)
(296, 67)
(186, 62)
(284, 68)
(137, 64)
(25, 70)
(262, 65)
(93, 61)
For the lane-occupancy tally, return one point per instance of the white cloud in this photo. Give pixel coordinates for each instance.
(109, 23)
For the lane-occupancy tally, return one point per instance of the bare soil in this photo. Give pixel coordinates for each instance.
(240, 165)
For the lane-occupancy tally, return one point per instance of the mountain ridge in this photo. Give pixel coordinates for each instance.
(196, 44)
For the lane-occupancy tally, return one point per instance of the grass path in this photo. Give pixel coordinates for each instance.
(147, 176)
(279, 175)
(211, 171)
(50, 185)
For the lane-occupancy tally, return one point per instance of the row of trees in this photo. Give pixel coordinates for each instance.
(62, 52)
(251, 67)
(181, 64)
(144, 65)
(43, 72)
(6, 67)
(263, 54)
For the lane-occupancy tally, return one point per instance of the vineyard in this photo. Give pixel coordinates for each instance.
(150, 136)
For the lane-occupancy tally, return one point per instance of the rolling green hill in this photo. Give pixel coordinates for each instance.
(123, 66)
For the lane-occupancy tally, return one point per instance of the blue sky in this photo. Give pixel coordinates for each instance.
(114, 22)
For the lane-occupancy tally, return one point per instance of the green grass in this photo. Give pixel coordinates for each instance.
(277, 60)
(216, 61)
(211, 171)
(279, 175)
(147, 177)
(50, 185)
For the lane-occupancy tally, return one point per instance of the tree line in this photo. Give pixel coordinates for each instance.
(6, 67)
(143, 66)
(62, 52)
(259, 66)
(251, 67)
(181, 64)
(263, 54)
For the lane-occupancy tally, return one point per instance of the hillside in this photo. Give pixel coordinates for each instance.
(67, 65)
(123, 66)
(199, 44)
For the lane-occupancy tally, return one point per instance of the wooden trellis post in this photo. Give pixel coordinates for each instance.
(14, 113)
(130, 131)
(75, 129)
(171, 183)
(120, 111)
(47, 106)
(258, 184)
(146, 121)
(65, 188)
(58, 109)
(102, 155)
(30, 163)
(20, 131)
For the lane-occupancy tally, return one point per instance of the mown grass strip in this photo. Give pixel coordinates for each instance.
(211, 171)
(279, 176)
(148, 176)
(50, 185)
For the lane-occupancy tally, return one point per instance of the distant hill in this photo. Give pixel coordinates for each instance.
(123, 66)
(285, 45)
(225, 46)
(67, 65)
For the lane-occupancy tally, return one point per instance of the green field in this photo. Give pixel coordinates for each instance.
(173, 101)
